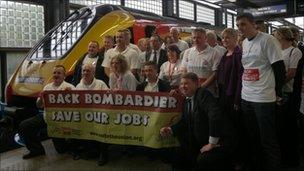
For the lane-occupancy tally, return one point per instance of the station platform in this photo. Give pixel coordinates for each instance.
(12, 160)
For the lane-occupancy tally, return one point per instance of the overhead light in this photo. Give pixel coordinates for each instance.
(275, 23)
(232, 0)
(207, 3)
(231, 11)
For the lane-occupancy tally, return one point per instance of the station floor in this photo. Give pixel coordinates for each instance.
(12, 160)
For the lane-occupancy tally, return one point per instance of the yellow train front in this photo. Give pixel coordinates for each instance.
(65, 44)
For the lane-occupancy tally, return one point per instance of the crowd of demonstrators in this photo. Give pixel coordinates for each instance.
(243, 100)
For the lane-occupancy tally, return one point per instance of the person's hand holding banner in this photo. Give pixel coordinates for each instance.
(165, 132)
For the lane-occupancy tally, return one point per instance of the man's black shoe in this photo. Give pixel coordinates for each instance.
(33, 154)
(103, 159)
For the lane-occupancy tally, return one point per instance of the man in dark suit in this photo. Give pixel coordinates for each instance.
(158, 55)
(205, 135)
(153, 83)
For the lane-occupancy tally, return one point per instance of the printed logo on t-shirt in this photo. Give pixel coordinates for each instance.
(251, 75)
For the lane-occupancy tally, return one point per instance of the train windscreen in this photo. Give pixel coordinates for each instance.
(61, 38)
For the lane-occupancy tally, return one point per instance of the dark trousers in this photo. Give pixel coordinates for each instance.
(227, 105)
(29, 130)
(300, 119)
(188, 157)
(287, 132)
(263, 148)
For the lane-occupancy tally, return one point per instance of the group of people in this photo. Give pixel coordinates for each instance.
(241, 100)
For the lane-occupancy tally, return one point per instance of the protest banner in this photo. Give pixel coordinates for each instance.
(115, 117)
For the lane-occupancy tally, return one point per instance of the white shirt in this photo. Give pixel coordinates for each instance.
(220, 49)
(63, 86)
(291, 57)
(126, 81)
(95, 85)
(152, 87)
(134, 47)
(258, 82)
(202, 63)
(90, 60)
(182, 45)
(130, 54)
(171, 72)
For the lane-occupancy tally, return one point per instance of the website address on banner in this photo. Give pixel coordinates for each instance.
(121, 137)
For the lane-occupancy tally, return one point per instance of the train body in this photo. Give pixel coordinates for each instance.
(66, 43)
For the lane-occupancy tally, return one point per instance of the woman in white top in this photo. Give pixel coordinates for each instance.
(170, 70)
(291, 56)
(121, 78)
(287, 123)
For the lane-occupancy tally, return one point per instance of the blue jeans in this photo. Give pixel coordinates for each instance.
(259, 124)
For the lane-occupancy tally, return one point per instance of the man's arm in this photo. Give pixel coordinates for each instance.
(209, 80)
(280, 76)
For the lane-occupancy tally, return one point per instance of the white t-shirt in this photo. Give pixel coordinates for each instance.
(134, 47)
(182, 45)
(126, 81)
(95, 85)
(171, 72)
(291, 57)
(220, 49)
(63, 86)
(90, 60)
(130, 54)
(258, 78)
(202, 63)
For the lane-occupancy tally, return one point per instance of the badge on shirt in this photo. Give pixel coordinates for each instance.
(251, 75)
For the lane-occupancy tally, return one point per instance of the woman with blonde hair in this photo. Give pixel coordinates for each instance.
(287, 124)
(121, 77)
(230, 71)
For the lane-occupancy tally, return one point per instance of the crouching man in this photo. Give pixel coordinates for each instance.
(204, 133)
(29, 128)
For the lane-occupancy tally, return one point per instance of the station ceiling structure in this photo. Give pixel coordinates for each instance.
(292, 16)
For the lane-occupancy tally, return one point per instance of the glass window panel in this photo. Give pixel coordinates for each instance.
(229, 21)
(154, 6)
(205, 14)
(13, 61)
(16, 19)
(186, 10)
(234, 24)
